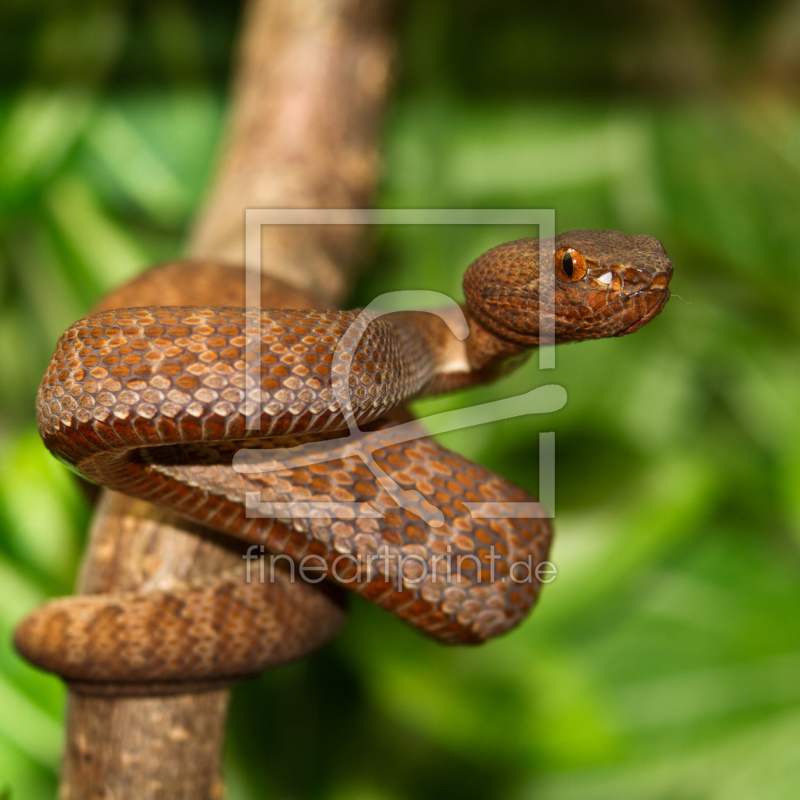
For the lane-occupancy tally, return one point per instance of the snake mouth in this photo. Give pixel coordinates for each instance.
(641, 295)
(649, 302)
(629, 301)
(632, 303)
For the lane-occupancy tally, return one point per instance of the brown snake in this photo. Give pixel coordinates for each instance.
(150, 396)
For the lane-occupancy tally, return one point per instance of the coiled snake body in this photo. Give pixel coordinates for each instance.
(151, 395)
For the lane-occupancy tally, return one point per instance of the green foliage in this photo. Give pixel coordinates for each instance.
(663, 660)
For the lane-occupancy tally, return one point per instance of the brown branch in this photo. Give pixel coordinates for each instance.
(304, 132)
(311, 84)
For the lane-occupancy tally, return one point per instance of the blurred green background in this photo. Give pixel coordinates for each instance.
(664, 661)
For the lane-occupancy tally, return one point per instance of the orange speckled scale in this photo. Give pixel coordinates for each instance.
(151, 395)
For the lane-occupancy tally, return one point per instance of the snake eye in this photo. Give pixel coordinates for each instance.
(570, 265)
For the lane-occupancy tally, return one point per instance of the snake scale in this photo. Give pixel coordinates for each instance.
(150, 395)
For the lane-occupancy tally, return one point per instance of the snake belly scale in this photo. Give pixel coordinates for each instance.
(151, 395)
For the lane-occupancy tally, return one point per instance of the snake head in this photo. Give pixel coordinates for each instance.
(600, 284)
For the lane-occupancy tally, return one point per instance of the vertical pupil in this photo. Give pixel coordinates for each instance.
(567, 265)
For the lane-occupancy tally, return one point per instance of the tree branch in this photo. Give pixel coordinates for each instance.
(311, 84)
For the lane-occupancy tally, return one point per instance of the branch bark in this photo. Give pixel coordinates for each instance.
(311, 84)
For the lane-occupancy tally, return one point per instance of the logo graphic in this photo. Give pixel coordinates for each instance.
(363, 444)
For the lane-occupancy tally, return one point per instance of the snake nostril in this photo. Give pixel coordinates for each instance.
(659, 282)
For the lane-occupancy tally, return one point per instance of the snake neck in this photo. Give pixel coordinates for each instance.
(459, 364)
(490, 354)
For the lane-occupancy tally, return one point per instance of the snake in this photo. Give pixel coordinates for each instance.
(154, 394)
